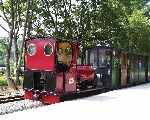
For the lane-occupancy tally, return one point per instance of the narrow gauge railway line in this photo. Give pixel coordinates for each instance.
(19, 105)
(11, 99)
(83, 94)
(14, 104)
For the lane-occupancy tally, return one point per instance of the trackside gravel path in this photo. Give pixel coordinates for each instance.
(125, 104)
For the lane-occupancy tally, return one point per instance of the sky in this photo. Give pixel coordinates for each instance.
(3, 33)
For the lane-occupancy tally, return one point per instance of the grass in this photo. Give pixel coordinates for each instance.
(3, 81)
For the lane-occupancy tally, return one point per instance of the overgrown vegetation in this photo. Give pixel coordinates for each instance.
(3, 81)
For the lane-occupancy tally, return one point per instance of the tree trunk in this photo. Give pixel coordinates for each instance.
(27, 22)
(10, 81)
(16, 61)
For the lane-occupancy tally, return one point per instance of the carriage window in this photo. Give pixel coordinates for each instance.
(79, 61)
(85, 57)
(141, 63)
(104, 58)
(93, 57)
(48, 49)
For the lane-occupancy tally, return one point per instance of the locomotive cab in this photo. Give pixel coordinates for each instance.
(64, 56)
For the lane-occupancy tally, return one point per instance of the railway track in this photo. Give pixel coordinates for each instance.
(11, 99)
(82, 94)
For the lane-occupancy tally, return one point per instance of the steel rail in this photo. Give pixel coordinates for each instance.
(11, 99)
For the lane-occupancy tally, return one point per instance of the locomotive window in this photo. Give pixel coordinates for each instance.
(60, 51)
(31, 49)
(64, 53)
(48, 49)
(68, 51)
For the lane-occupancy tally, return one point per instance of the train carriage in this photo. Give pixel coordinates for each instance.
(137, 69)
(115, 68)
(100, 60)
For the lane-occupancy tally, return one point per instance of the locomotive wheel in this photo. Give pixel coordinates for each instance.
(84, 85)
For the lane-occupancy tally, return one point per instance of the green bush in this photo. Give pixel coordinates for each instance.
(3, 83)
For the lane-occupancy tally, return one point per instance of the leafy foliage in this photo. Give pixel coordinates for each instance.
(113, 23)
(122, 24)
(139, 32)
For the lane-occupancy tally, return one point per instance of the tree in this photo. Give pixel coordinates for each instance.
(15, 13)
(2, 50)
(147, 10)
(93, 22)
(139, 29)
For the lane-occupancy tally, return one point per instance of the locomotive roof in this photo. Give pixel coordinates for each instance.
(50, 37)
(38, 38)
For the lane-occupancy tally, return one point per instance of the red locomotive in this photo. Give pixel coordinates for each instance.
(51, 70)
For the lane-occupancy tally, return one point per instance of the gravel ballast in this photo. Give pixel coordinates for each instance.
(18, 106)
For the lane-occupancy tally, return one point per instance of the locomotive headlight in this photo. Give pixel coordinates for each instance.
(31, 49)
(48, 49)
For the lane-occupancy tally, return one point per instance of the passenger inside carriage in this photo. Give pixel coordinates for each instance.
(64, 56)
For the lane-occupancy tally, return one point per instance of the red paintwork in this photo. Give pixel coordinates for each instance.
(71, 79)
(71, 75)
(39, 61)
(28, 94)
(59, 82)
(75, 47)
(50, 99)
(45, 98)
(85, 72)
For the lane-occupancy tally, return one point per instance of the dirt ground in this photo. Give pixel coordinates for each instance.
(6, 91)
